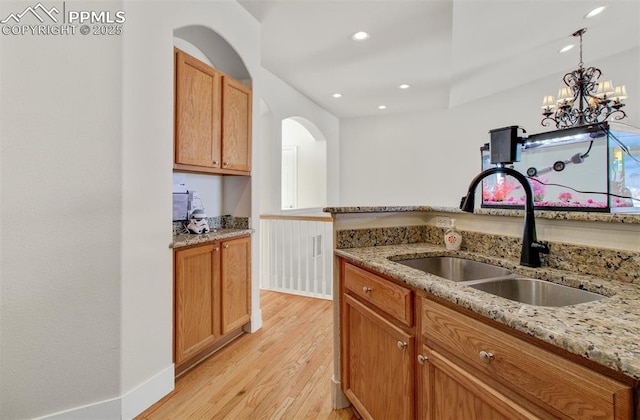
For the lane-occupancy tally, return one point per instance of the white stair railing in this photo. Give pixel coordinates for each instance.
(296, 255)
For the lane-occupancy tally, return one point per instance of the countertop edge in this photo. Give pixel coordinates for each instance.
(183, 240)
(627, 218)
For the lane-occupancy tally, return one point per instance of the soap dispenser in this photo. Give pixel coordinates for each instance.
(452, 238)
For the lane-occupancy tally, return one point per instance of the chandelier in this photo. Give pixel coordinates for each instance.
(584, 100)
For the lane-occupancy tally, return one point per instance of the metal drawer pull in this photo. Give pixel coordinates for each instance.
(486, 356)
(422, 359)
(366, 289)
(402, 345)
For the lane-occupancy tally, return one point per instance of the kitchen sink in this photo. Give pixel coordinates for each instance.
(455, 269)
(535, 292)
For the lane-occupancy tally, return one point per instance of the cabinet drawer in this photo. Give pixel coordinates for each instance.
(559, 385)
(391, 298)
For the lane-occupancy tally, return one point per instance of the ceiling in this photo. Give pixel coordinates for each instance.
(449, 51)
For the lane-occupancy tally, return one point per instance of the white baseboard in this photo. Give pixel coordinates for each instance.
(125, 407)
(256, 322)
(103, 410)
(146, 394)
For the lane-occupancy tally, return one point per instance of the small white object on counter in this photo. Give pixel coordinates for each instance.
(452, 238)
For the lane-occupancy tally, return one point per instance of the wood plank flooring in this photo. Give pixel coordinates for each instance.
(283, 371)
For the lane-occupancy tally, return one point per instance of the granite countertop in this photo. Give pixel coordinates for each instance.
(184, 239)
(630, 218)
(605, 331)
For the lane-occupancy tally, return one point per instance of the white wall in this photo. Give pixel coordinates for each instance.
(86, 141)
(430, 158)
(281, 101)
(61, 176)
(153, 34)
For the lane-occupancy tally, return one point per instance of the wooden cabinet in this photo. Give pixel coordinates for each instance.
(509, 375)
(197, 300)
(212, 297)
(378, 352)
(236, 283)
(198, 114)
(459, 366)
(212, 119)
(236, 125)
(447, 391)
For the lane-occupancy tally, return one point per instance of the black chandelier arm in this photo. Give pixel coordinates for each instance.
(547, 120)
(618, 117)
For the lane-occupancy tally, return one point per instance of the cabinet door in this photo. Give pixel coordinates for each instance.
(197, 304)
(448, 392)
(377, 363)
(236, 283)
(197, 112)
(236, 125)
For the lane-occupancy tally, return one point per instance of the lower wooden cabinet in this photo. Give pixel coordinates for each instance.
(212, 284)
(377, 345)
(535, 380)
(235, 283)
(450, 365)
(197, 300)
(379, 364)
(446, 391)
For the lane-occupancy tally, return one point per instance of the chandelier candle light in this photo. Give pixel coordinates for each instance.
(584, 100)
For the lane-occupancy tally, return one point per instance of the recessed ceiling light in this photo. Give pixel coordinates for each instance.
(566, 48)
(382, 107)
(595, 12)
(360, 36)
(337, 95)
(404, 86)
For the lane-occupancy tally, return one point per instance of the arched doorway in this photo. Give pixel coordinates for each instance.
(304, 165)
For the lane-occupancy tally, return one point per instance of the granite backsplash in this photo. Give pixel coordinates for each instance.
(219, 222)
(606, 263)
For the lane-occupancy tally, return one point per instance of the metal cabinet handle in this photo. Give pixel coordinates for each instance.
(402, 345)
(226, 163)
(422, 359)
(216, 249)
(366, 289)
(226, 246)
(486, 356)
(215, 162)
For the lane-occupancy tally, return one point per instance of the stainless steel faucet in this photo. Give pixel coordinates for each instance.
(531, 248)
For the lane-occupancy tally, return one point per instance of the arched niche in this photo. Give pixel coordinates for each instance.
(219, 195)
(303, 165)
(217, 51)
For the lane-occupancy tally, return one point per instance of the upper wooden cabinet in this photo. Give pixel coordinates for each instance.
(212, 119)
(236, 125)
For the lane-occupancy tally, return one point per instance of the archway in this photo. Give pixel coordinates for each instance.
(304, 165)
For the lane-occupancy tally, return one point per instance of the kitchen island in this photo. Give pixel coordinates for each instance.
(600, 335)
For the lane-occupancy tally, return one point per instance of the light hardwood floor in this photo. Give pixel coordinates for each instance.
(283, 371)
